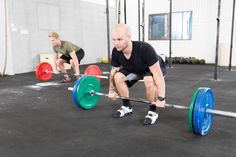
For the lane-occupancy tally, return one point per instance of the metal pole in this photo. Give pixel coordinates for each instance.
(143, 21)
(5, 37)
(138, 20)
(119, 11)
(232, 34)
(217, 41)
(125, 10)
(108, 31)
(170, 36)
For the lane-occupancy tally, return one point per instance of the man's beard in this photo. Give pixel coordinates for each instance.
(123, 48)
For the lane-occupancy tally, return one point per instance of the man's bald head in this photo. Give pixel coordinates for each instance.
(122, 29)
(121, 37)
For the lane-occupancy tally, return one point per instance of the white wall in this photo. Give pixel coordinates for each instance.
(112, 3)
(30, 21)
(2, 35)
(203, 43)
(5, 42)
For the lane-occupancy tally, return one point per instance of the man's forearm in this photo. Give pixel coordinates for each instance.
(160, 83)
(111, 80)
(55, 57)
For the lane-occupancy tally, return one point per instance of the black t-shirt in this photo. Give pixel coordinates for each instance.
(142, 56)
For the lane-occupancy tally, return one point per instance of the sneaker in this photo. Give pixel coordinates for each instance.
(150, 118)
(123, 111)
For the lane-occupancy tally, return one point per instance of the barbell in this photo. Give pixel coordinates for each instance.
(44, 71)
(86, 93)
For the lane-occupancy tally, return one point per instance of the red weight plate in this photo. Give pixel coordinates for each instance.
(93, 70)
(41, 69)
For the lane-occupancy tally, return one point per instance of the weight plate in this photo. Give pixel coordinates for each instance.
(190, 113)
(93, 70)
(85, 99)
(40, 71)
(74, 93)
(37, 72)
(202, 120)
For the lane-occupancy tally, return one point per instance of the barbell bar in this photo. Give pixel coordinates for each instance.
(86, 94)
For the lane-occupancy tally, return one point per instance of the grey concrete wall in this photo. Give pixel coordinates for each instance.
(77, 21)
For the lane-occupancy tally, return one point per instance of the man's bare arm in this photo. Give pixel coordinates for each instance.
(113, 71)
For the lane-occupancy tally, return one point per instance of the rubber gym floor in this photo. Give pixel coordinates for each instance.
(39, 119)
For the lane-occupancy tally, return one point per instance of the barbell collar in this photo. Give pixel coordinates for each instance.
(52, 72)
(70, 88)
(106, 72)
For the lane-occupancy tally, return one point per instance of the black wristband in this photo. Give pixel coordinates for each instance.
(161, 98)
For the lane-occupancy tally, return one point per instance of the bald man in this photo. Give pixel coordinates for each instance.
(70, 53)
(132, 61)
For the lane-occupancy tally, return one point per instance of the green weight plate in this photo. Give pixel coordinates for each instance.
(85, 99)
(190, 114)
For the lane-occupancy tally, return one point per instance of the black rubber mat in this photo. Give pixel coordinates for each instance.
(39, 119)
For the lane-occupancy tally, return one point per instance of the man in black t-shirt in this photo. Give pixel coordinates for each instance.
(132, 61)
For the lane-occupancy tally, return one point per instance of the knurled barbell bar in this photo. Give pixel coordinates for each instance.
(44, 71)
(87, 91)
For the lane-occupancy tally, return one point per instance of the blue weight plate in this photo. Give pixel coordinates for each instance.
(74, 93)
(202, 120)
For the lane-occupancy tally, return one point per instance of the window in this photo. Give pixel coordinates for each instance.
(181, 26)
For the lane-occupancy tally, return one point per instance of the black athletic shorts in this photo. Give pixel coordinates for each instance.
(133, 78)
(79, 54)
